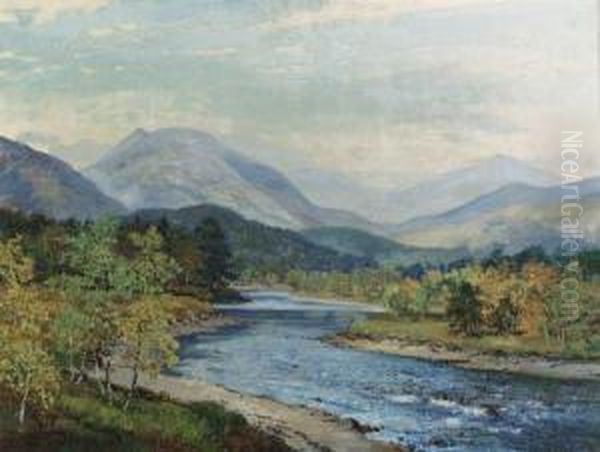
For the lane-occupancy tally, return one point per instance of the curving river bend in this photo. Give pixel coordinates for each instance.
(276, 351)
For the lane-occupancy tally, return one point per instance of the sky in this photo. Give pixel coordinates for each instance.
(382, 93)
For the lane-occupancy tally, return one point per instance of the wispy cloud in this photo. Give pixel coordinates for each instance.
(354, 10)
(10, 55)
(87, 71)
(119, 29)
(44, 11)
(215, 52)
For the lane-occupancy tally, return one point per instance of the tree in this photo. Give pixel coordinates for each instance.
(590, 264)
(183, 248)
(431, 290)
(26, 368)
(505, 317)
(70, 330)
(95, 276)
(151, 268)
(28, 371)
(400, 297)
(91, 256)
(144, 329)
(464, 307)
(216, 270)
(16, 269)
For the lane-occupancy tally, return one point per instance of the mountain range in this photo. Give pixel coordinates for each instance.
(451, 190)
(176, 168)
(512, 218)
(35, 182)
(496, 203)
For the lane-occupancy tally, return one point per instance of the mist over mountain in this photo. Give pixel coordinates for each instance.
(183, 168)
(176, 168)
(35, 182)
(456, 188)
(513, 218)
(358, 243)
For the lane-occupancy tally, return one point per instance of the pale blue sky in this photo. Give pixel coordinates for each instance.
(384, 91)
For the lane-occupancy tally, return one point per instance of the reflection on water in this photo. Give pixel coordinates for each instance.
(276, 351)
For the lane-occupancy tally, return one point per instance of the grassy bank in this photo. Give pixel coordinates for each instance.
(83, 421)
(435, 332)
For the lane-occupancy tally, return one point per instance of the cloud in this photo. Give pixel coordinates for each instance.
(44, 11)
(88, 71)
(215, 52)
(9, 55)
(119, 29)
(353, 10)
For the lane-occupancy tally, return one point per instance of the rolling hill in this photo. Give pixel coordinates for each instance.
(35, 182)
(177, 168)
(256, 245)
(382, 250)
(456, 188)
(514, 217)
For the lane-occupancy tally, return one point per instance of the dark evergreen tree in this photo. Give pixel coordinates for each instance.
(465, 308)
(216, 269)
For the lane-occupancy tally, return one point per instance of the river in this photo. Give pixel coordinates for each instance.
(276, 351)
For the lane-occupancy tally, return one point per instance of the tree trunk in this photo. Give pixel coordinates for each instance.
(134, 382)
(23, 405)
(72, 369)
(97, 361)
(107, 382)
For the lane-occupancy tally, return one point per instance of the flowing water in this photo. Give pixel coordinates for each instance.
(276, 351)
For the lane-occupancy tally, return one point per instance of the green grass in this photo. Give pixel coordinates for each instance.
(84, 422)
(436, 332)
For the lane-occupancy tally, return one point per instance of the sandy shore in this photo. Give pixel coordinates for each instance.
(303, 429)
(532, 366)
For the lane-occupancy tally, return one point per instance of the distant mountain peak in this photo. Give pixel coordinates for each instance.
(502, 161)
(181, 167)
(137, 134)
(10, 147)
(172, 134)
(451, 190)
(35, 182)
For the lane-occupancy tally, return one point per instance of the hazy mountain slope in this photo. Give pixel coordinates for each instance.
(514, 217)
(454, 189)
(34, 182)
(380, 249)
(175, 168)
(256, 245)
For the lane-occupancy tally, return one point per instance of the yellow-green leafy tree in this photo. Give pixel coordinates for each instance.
(144, 323)
(152, 269)
(27, 369)
(148, 344)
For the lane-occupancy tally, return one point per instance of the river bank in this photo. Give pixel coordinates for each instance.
(278, 353)
(496, 361)
(302, 429)
(474, 360)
